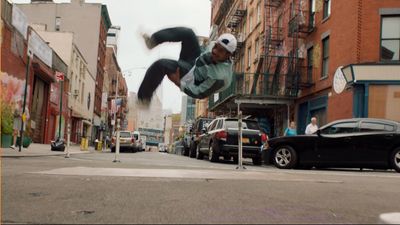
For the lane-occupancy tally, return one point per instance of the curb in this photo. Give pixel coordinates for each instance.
(42, 155)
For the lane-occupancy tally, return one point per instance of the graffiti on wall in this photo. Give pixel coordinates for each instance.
(12, 89)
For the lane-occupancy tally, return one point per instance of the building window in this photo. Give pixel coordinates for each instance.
(390, 38)
(242, 63)
(310, 54)
(312, 13)
(82, 92)
(327, 8)
(250, 22)
(58, 23)
(325, 57)
(256, 50)
(258, 13)
(244, 28)
(249, 57)
(292, 10)
(280, 25)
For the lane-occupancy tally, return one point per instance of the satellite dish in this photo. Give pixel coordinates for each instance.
(339, 81)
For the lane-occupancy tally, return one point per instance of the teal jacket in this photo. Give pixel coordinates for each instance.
(206, 78)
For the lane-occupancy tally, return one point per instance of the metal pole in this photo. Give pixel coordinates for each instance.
(240, 136)
(59, 120)
(288, 115)
(24, 104)
(115, 102)
(116, 159)
(68, 140)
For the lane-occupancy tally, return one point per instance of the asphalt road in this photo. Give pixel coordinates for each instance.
(163, 188)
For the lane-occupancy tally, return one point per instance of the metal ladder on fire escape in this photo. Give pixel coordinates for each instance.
(235, 16)
(272, 44)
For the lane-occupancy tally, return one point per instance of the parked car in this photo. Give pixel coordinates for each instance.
(162, 147)
(350, 143)
(199, 127)
(126, 141)
(221, 139)
(138, 145)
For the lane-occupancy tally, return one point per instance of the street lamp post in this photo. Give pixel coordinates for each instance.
(115, 102)
(29, 55)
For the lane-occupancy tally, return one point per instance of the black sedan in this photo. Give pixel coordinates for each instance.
(351, 143)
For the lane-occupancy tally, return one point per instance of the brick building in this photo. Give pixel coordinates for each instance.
(43, 93)
(90, 36)
(115, 77)
(286, 63)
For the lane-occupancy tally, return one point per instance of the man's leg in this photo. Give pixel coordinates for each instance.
(154, 76)
(190, 44)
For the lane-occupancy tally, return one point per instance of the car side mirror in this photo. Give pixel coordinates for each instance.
(319, 133)
(204, 131)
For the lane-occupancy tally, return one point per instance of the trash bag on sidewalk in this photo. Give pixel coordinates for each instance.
(58, 145)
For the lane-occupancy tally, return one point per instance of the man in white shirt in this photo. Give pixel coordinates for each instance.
(312, 127)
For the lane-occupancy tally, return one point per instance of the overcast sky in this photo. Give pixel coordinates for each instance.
(151, 15)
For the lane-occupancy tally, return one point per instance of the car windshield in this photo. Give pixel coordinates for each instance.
(247, 124)
(125, 134)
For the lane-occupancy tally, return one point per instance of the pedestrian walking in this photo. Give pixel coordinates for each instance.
(17, 122)
(197, 74)
(291, 129)
(312, 127)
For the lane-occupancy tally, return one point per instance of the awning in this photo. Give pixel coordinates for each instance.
(87, 122)
(372, 73)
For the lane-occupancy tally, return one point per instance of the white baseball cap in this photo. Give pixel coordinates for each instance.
(228, 41)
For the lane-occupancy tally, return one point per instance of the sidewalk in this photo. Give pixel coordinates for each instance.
(36, 150)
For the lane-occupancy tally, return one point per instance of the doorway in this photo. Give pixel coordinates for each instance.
(39, 109)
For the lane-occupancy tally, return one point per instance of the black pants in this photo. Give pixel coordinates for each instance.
(156, 72)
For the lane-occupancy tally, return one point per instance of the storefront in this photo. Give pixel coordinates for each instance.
(376, 89)
(316, 106)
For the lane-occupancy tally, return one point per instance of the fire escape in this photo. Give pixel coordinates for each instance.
(283, 64)
(233, 20)
(301, 23)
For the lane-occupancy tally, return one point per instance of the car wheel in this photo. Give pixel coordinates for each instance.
(285, 157)
(395, 159)
(212, 154)
(199, 155)
(257, 161)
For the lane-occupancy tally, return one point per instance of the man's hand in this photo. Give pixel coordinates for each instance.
(175, 78)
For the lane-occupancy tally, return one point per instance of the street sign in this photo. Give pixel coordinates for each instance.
(59, 76)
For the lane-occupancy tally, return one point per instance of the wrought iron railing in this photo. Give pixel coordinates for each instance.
(258, 85)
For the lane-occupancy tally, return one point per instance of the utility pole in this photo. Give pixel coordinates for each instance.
(60, 78)
(115, 102)
(116, 159)
(68, 141)
(23, 117)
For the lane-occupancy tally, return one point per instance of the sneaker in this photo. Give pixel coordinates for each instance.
(12, 146)
(149, 43)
